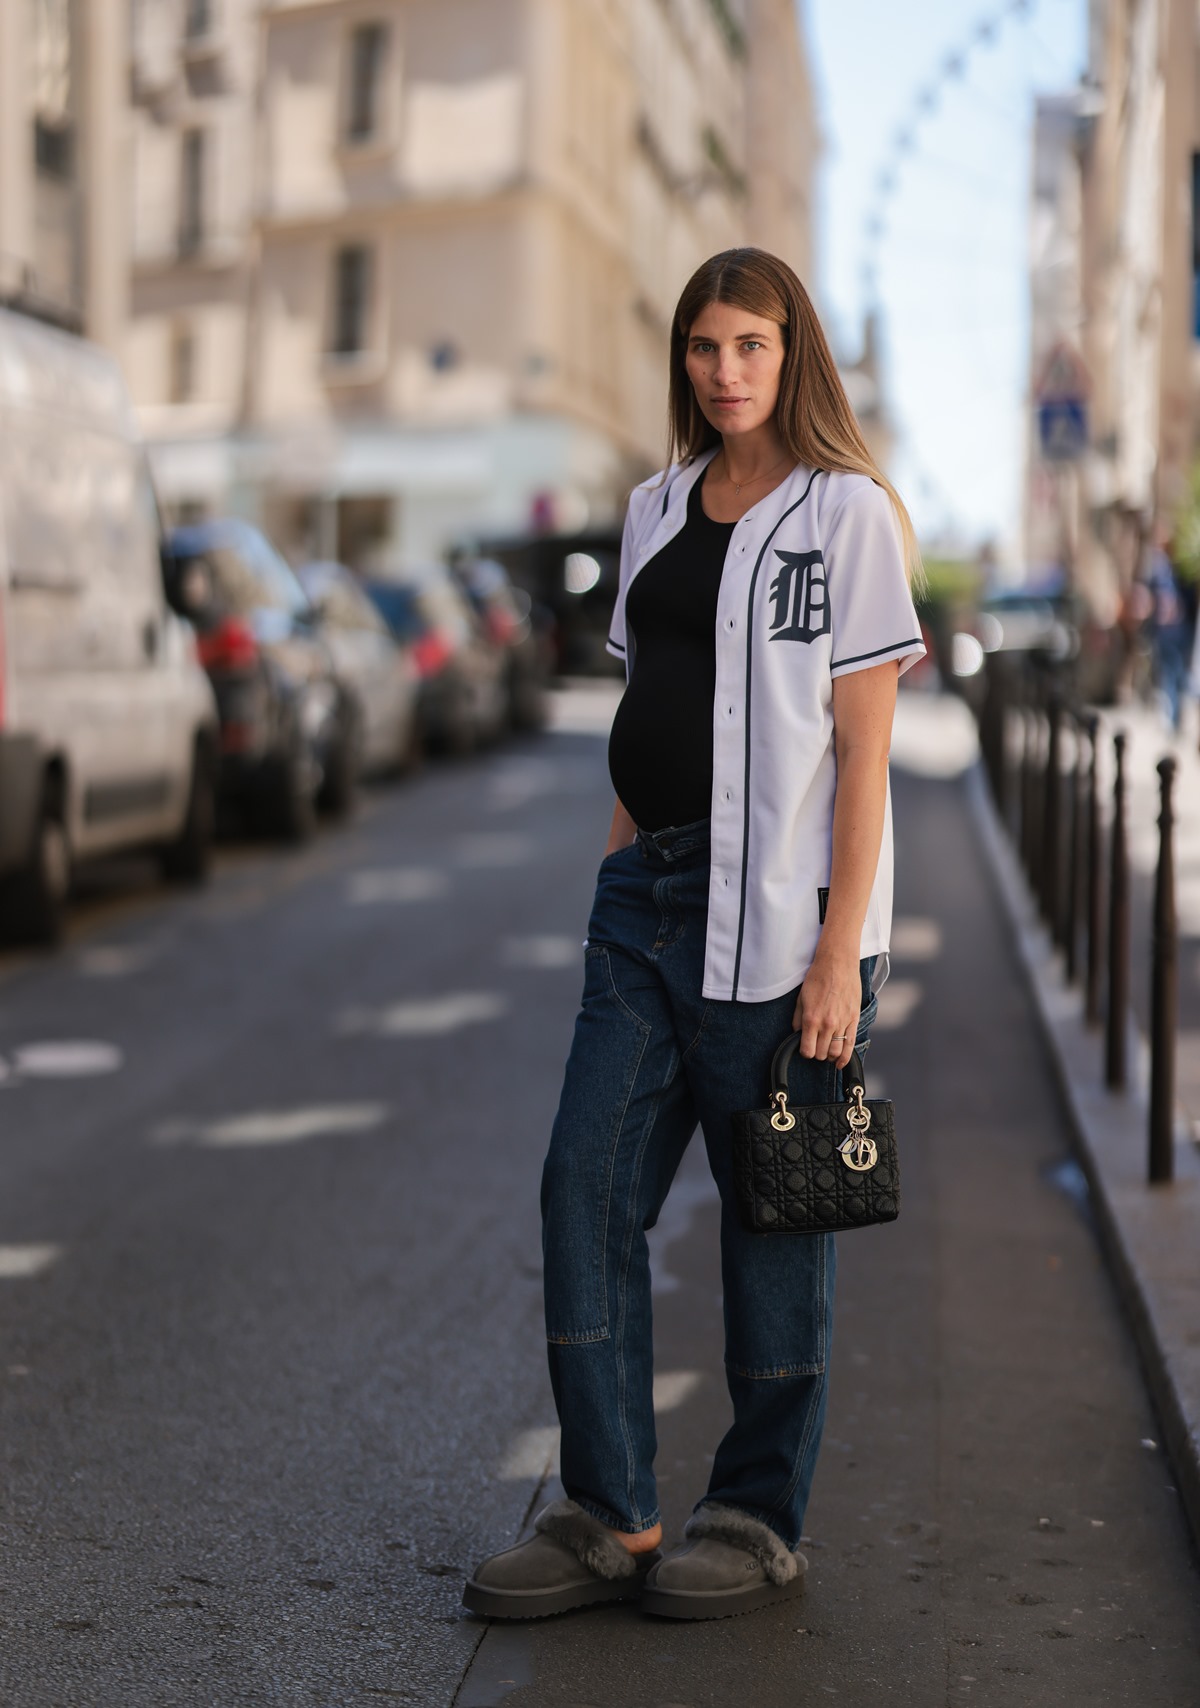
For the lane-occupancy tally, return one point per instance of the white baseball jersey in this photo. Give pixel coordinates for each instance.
(813, 587)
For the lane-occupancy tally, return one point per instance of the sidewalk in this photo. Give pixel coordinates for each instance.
(1151, 1235)
(1149, 740)
(993, 1521)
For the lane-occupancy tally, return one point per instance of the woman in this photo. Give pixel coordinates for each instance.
(764, 615)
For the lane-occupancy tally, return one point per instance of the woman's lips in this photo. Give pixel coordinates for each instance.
(729, 402)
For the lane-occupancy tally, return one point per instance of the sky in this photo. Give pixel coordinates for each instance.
(952, 259)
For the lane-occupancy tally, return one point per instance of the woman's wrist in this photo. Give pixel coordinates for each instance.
(838, 944)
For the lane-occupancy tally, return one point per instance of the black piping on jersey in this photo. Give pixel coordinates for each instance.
(838, 663)
(737, 959)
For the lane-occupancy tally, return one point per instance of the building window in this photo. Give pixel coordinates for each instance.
(198, 20)
(52, 131)
(191, 192)
(367, 47)
(352, 285)
(183, 364)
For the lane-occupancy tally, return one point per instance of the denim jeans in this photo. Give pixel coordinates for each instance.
(651, 1058)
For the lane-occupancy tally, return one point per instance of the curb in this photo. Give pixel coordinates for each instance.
(1150, 1234)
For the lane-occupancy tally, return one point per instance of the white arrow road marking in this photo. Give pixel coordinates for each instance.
(427, 1017)
(397, 884)
(19, 1261)
(275, 1126)
(67, 1059)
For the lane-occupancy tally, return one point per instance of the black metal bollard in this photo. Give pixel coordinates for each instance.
(1094, 905)
(1118, 932)
(993, 730)
(1164, 990)
(1032, 841)
(1076, 877)
(1025, 775)
(1048, 887)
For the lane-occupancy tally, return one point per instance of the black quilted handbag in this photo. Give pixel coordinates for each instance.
(819, 1167)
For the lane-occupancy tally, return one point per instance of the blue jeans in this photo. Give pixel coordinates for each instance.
(650, 1059)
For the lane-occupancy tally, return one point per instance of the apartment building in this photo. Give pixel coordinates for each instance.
(1055, 528)
(64, 162)
(1117, 165)
(403, 269)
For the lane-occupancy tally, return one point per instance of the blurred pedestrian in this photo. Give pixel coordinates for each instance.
(764, 615)
(1168, 630)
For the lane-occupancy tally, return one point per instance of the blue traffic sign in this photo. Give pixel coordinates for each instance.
(1063, 429)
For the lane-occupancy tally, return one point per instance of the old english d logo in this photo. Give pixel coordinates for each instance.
(800, 597)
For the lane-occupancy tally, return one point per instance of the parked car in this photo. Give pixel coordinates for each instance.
(1052, 627)
(288, 734)
(377, 675)
(463, 699)
(108, 729)
(522, 633)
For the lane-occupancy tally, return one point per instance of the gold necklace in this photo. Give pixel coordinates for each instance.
(738, 485)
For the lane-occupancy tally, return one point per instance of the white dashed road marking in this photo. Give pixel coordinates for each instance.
(67, 1059)
(547, 953)
(512, 785)
(17, 1262)
(673, 1387)
(275, 1126)
(897, 1001)
(485, 849)
(116, 960)
(533, 1454)
(399, 884)
(427, 1017)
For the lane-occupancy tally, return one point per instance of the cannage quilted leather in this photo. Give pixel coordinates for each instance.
(797, 1182)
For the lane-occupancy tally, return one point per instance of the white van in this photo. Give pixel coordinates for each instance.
(108, 731)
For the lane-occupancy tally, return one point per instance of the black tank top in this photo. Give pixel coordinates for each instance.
(660, 750)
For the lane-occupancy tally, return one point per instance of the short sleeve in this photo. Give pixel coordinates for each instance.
(616, 642)
(872, 615)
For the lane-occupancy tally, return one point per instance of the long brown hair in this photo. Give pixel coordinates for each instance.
(813, 414)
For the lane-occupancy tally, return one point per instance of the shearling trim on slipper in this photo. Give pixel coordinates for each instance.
(592, 1542)
(730, 1524)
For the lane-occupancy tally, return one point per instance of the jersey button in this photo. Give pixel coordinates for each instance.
(731, 625)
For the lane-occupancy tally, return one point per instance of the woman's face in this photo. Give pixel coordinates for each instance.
(734, 361)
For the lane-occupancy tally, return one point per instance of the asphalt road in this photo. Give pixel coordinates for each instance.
(272, 1374)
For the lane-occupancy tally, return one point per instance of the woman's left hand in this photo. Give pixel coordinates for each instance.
(828, 1007)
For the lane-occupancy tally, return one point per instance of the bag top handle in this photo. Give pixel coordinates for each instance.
(852, 1073)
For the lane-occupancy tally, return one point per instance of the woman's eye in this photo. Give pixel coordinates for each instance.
(752, 344)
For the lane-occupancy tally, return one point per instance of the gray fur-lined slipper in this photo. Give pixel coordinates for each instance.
(571, 1560)
(731, 1563)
